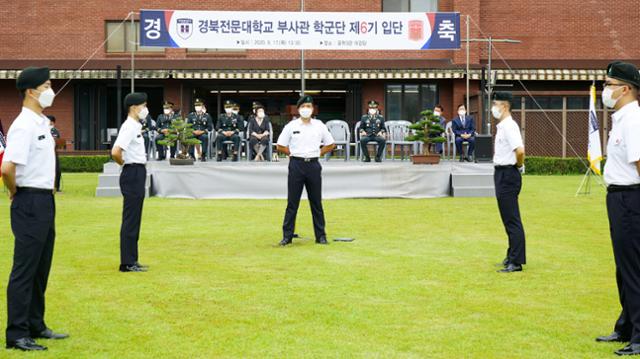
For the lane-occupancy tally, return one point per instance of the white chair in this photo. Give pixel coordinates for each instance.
(340, 132)
(356, 138)
(398, 133)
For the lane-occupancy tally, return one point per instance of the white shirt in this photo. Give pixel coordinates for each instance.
(304, 139)
(31, 148)
(623, 148)
(508, 139)
(130, 140)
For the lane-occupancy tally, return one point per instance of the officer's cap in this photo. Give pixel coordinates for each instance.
(624, 71)
(502, 96)
(373, 104)
(198, 102)
(256, 105)
(134, 99)
(167, 104)
(229, 103)
(32, 77)
(305, 99)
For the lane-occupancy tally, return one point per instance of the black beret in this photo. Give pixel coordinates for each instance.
(502, 96)
(135, 98)
(624, 71)
(229, 103)
(305, 99)
(373, 104)
(32, 77)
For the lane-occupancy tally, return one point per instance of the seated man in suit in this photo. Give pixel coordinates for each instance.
(464, 128)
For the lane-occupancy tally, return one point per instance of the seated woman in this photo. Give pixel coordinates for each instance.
(259, 127)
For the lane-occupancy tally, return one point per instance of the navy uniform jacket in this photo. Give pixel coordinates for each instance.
(202, 122)
(148, 124)
(469, 126)
(164, 121)
(229, 123)
(372, 125)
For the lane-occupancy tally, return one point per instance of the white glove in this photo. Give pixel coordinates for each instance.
(521, 169)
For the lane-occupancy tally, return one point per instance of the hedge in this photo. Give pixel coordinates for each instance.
(555, 165)
(82, 163)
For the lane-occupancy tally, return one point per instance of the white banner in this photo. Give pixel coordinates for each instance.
(300, 30)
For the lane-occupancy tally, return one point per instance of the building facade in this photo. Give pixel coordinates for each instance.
(564, 47)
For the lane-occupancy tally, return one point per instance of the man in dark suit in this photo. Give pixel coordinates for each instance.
(464, 128)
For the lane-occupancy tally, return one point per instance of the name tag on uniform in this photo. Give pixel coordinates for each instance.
(296, 132)
(41, 137)
(139, 136)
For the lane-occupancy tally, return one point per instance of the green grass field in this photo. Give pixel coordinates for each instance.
(418, 282)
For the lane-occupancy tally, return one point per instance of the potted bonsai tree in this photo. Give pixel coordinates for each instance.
(180, 133)
(428, 131)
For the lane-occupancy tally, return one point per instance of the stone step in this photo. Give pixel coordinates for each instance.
(113, 180)
(471, 180)
(474, 191)
(115, 192)
(111, 168)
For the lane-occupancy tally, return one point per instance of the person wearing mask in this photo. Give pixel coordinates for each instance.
(229, 128)
(202, 125)
(464, 129)
(259, 132)
(372, 129)
(438, 112)
(163, 125)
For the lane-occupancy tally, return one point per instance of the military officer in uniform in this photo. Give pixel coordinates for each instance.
(508, 160)
(28, 172)
(148, 127)
(128, 152)
(202, 126)
(229, 128)
(163, 124)
(304, 140)
(372, 130)
(622, 175)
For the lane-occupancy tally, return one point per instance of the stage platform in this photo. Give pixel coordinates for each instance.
(268, 180)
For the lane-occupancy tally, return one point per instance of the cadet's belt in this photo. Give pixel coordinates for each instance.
(310, 159)
(617, 188)
(134, 164)
(504, 167)
(34, 190)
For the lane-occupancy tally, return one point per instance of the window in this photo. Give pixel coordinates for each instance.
(580, 103)
(121, 38)
(545, 102)
(409, 5)
(405, 102)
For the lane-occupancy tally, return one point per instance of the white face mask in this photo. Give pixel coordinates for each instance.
(228, 111)
(260, 114)
(495, 111)
(167, 111)
(462, 112)
(372, 111)
(235, 112)
(305, 112)
(436, 113)
(143, 113)
(607, 97)
(46, 98)
(198, 108)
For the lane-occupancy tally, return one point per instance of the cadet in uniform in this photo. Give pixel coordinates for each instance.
(301, 139)
(28, 172)
(163, 124)
(128, 151)
(202, 126)
(508, 160)
(229, 127)
(622, 175)
(372, 130)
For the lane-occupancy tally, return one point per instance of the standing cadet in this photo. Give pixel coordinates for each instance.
(229, 127)
(301, 139)
(372, 130)
(622, 175)
(28, 172)
(128, 151)
(202, 126)
(163, 124)
(508, 160)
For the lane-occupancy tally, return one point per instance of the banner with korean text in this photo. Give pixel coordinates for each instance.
(300, 30)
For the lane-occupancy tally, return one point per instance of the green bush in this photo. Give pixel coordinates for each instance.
(556, 165)
(82, 163)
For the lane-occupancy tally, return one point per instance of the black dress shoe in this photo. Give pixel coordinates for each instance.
(285, 242)
(631, 349)
(203, 159)
(25, 344)
(467, 159)
(219, 158)
(378, 159)
(461, 159)
(510, 268)
(295, 235)
(49, 334)
(322, 240)
(235, 157)
(131, 268)
(367, 159)
(613, 337)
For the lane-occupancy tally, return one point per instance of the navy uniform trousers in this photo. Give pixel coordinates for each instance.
(132, 181)
(33, 224)
(508, 183)
(304, 175)
(623, 208)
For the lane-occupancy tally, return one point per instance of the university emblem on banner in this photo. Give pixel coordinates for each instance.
(185, 28)
(416, 30)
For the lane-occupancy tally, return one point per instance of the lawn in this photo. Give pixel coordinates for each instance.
(419, 281)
